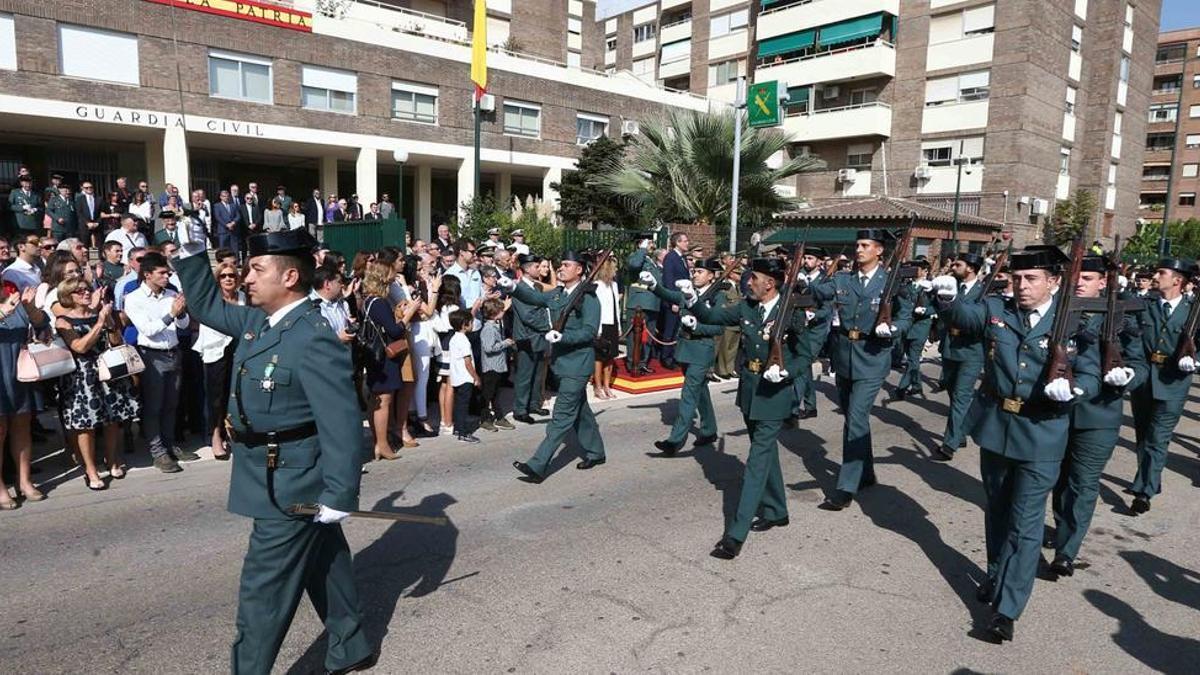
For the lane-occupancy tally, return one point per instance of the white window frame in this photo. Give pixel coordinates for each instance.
(416, 89)
(1194, 112)
(714, 70)
(574, 60)
(574, 25)
(1170, 112)
(350, 79)
(684, 47)
(860, 156)
(98, 50)
(610, 43)
(947, 150)
(649, 32)
(728, 23)
(1190, 196)
(595, 119)
(1118, 122)
(1064, 161)
(637, 63)
(863, 96)
(522, 105)
(1191, 170)
(1076, 38)
(963, 30)
(8, 42)
(1192, 141)
(937, 90)
(1072, 98)
(241, 58)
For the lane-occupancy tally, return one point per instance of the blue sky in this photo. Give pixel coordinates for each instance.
(1175, 13)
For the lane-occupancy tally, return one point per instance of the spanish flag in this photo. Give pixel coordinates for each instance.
(479, 50)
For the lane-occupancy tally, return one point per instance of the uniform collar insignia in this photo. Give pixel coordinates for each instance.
(1043, 343)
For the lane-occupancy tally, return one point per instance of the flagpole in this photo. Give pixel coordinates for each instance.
(477, 125)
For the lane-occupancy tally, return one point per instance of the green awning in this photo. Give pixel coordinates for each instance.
(768, 3)
(798, 96)
(816, 235)
(854, 29)
(786, 43)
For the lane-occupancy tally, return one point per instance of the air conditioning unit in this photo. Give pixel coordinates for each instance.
(923, 173)
(630, 128)
(1039, 207)
(847, 175)
(831, 92)
(487, 103)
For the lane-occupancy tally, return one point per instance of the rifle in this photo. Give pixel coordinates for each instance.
(989, 285)
(1059, 365)
(1110, 339)
(787, 296)
(573, 301)
(1187, 335)
(716, 285)
(895, 260)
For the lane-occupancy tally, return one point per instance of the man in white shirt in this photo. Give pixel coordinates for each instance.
(157, 312)
(24, 271)
(327, 290)
(128, 235)
(134, 273)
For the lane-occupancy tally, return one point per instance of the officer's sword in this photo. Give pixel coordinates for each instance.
(312, 509)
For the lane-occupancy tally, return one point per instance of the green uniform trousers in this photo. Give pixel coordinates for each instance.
(571, 411)
(914, 347)
(285, 559)
(1078, 486)
(727, 348)
(1154, 424)
(527, 381)
(1013, 518)
(960, 378)
(856, 398)
(806, 389)
(694, 398)
(762, 483)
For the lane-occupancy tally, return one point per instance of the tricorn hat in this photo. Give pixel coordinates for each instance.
(712, 264)
(973, 259)
(1038, 258)
(875, 234)
(1181, 265)
(772, 267)
(1093, 263)
(295, 243)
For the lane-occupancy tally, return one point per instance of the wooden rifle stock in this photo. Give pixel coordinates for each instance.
(1187, 336)
(1110, 340)
(1059, 364)
(899, 255)
(573, 301)
(787, 296)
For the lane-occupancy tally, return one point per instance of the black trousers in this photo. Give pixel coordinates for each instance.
(463, 422)
(216, 389)
(491, 388)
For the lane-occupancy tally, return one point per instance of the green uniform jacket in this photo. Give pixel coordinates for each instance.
(1016, 358)
(696, 346)
(58, 208)
(964, 347)
(575, 354)
(163, 236)
(637, 296)
(312, 372)
(17, 201)
(1106, 409)
(530, 323)
(757, 398)
(857, 308)
(819, 327)
(1166, 381)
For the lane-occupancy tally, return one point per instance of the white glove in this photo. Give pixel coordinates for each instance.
(884, 330)
(644, 245)
(689, 322)
(1187, 364)
(689, 291)
(946, 287)
(775, 375)
(328, 516)
(809, 315)
(1122, 281)
(924, 284)
(1060, 390)
(1118, 377)
(919, 311)
(648, 278)
(755, 239)
(505, 283)
(554, 337)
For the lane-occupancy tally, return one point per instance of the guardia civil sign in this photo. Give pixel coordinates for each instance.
(762, 105)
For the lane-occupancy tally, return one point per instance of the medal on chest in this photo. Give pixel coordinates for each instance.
(766, 331)
(268, 384)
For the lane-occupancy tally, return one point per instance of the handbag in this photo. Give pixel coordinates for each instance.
(391, 350)
(119, 362)
(44, 360)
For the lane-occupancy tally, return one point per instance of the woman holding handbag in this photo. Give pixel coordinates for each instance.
(85, 401)
(383, 373)
(18, 400)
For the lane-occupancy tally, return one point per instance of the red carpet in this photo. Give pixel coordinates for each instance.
(659, 379)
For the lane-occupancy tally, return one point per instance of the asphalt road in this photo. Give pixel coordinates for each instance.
(607, 571)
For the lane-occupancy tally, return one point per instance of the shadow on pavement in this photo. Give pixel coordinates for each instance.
(1170, 581)
(1155, 649)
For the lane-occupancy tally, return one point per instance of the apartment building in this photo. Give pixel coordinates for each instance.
(1171, 173)
(309, 94)
(1010, 104)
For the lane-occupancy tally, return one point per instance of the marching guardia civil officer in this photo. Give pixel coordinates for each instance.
(962, 358)
(1019, 420)
(696, 351)
(917, 334)
(1158, 403)
(530, 325)
(287, 365)
(1095, 426)
(766, 396)
(573, 360)
(862, 356)
(639, 297)
(818, 332)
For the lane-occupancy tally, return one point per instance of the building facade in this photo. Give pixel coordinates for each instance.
(1012, 105)
(1171, 173)
(309, 94)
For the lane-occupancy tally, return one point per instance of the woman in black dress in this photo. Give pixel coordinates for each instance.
(383, 377)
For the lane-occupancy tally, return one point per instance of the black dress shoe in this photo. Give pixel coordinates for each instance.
(915, 391)
(727, 549)
(1140, 504)
(542, 411)
(667, 447)
(713, 378)
(898, 396)
(836, 502)
(365, 664)
(983, 592)
(1001, 628)
(936, 387)
(1062, 566)
(525, 418)
(867, 482)
(792, 422)
(962, 444)
(533, 476)
(762, 524)
(942, 454)
(589, 463)
(808, 414)
(705, 440)
(644, 370)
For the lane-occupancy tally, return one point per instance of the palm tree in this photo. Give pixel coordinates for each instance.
(681, 168)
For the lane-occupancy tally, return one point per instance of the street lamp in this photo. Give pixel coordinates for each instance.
(401, 156)
(961, 162)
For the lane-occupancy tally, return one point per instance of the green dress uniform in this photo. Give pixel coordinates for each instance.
(817, 334)
(1022, 435)
(1158, 403)
(530, 325)
(27, 210)
(62, 217)
(861, 361)
(696, 350)
(764, 404)
(637, 296)
(924, 314)
(962, 362)
(731, 337)
(1095, 429)
(164, 235)
(284, 453)
(572, 360)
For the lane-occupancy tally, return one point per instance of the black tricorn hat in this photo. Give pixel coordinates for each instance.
(772, 267)
(875, 234)
(1093, 263)
(1038, 258)
(523, 260)
(1181, 265)
(25, 178)
(973, 259)
(575, 257)
(295, 243)
(920, 261)
(712, 264)
(814, 250)
(167, 213)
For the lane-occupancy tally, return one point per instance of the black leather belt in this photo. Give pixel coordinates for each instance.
(159, 349)
(1023, 408)
(256, 438)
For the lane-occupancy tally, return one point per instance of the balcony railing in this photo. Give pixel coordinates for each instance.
(788, 5)
(797, 111)
(817, 55)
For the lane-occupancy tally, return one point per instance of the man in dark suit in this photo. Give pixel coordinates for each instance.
(675, 268)
(314, 212)
(354, 209)
(227, 223)
(443, 237)
(87, 215)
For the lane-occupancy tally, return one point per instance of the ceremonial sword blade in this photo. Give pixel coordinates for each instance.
(312, 509)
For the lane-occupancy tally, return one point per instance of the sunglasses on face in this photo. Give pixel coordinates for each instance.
(137, 259)
(227, 276)
(48, 247)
